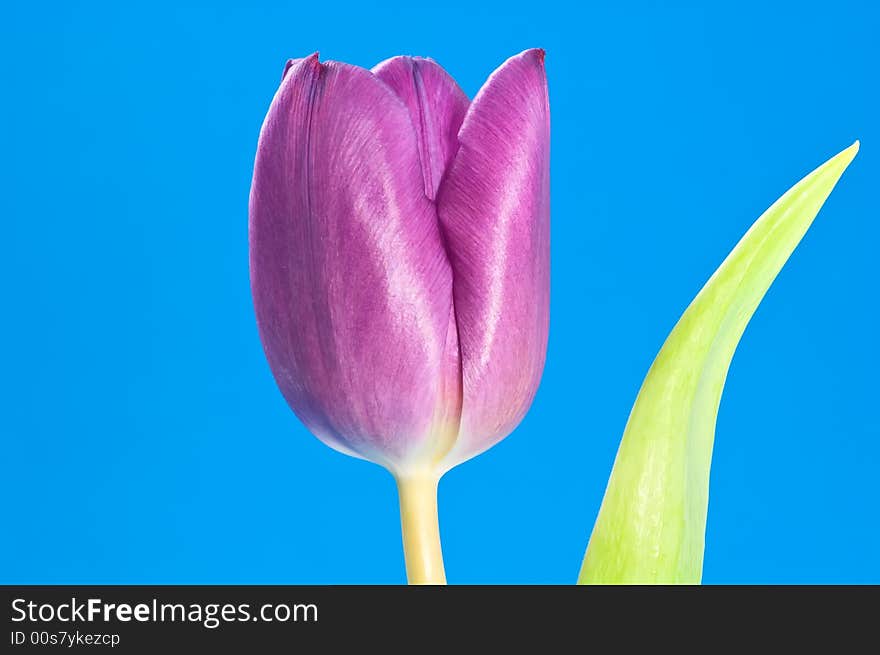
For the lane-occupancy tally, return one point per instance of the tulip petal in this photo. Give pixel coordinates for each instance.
(290, 64)
(493, 206)
(351, 284)
(652, 523)
(437, 106)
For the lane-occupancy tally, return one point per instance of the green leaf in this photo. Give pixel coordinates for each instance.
(652, 523)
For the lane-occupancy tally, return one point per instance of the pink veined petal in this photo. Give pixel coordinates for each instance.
(437, 106)
(350, 280)
(494, 209)
(291, 63)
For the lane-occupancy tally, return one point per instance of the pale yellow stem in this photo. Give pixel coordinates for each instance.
(421, 529)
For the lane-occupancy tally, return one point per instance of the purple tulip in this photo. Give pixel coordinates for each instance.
(399, 261)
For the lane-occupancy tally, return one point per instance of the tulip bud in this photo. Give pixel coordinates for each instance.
(399, 261)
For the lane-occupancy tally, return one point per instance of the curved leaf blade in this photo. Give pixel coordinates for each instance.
(652, 522)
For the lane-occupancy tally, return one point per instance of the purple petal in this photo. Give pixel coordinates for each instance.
(351, 284)
(293, 62)
(494, 208)
(437, 106)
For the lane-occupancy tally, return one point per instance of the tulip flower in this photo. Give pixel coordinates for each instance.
(399, 261)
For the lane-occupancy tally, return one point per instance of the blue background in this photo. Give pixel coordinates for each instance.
(143, 438)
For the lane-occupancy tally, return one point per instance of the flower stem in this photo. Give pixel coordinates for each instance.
(421, 529)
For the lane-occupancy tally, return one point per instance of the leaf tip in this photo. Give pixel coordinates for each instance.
(849, 154)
